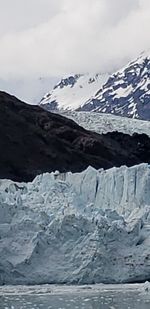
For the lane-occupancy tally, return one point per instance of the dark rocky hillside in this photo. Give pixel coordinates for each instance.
(33, 141)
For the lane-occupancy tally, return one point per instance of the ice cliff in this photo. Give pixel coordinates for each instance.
(89, 227)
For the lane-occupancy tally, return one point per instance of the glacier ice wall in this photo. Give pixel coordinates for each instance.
(122, 189)
(88, 227)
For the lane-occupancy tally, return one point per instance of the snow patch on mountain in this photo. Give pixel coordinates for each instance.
(126, 92)
(73, 91)
(88, 227)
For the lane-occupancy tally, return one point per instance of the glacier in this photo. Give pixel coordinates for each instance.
(104, 123)
(82, 228)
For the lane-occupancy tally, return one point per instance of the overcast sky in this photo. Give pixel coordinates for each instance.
(56, 37)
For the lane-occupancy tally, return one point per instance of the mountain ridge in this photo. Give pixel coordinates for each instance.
(124, 93)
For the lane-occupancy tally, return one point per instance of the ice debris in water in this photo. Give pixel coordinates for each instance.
(146, 287)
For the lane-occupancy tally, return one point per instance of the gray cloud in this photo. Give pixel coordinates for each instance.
(18, 15)
(55, 37)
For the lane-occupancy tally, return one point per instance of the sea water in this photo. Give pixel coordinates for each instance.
(84, 297)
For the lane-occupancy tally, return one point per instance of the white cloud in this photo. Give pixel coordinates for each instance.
(49, 38)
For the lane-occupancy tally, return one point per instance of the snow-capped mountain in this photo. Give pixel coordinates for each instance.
(73, 91)
(124, 93)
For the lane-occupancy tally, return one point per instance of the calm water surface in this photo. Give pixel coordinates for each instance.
(81, 299)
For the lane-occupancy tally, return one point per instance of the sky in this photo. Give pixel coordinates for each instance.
(51, 38)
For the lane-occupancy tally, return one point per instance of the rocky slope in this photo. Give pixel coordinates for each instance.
(124, 93)
(60, 229)
(33, 141)
(127, 92)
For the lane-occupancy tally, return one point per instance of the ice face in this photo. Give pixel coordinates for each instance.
(87, 227)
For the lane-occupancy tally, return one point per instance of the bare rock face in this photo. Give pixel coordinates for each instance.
(33, 141)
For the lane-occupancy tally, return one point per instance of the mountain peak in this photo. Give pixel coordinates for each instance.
(73, 91)
(125, 92)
